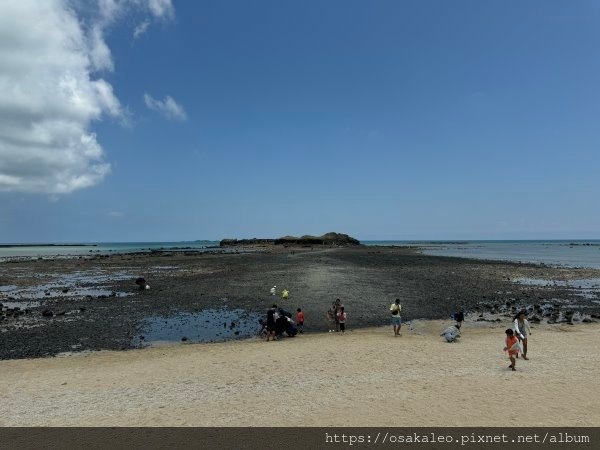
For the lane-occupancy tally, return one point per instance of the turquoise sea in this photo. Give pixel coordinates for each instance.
(79, 249)
(568, 253)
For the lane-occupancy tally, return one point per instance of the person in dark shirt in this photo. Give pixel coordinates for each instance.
(271, 322)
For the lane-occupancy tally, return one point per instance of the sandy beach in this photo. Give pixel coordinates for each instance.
(364, 378)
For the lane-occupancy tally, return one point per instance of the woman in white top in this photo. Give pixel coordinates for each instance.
(522, 330)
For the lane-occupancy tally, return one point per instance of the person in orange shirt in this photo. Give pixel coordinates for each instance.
(511, 347)
(300, 320)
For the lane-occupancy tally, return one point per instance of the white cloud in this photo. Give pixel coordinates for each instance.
(116, 214)
(161, 8)
(49, 94)
(141, 29)
(167, 107)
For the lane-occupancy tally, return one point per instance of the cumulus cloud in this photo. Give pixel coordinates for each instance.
(167, 107)
(50, 94)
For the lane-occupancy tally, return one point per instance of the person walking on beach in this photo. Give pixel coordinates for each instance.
(273, 290)
(395, 309)
(512, 347)
(271, 322)
(522, 330)
(341, 318)
(300, 320)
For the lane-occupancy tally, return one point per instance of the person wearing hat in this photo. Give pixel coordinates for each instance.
(395, 309)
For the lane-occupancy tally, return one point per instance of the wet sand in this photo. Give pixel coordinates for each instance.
(364, 378)
(367, 279)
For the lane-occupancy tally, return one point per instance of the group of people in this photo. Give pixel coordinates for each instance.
(516, 339)
(336, 316)
(279, 323)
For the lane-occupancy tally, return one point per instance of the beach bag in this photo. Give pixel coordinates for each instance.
(395, 309)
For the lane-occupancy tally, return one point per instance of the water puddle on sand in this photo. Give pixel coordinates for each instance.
(587, 288)
(210, 325)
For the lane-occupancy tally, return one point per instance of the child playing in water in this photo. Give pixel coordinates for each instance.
(511, 347)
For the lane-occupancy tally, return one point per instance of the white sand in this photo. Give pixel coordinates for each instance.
(366, 377)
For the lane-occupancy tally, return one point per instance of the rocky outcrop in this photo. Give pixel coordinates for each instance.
(333, 239)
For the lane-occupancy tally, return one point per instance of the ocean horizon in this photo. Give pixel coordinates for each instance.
(557, 252)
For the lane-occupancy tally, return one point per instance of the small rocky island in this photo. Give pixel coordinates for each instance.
(330, 239)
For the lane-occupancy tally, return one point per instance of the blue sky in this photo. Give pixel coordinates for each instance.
(383, 120)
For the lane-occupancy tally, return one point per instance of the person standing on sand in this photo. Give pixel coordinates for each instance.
(330, 319)
(337, 305)
(395, 309)
(300, 320)
(459, 317)
(512, 348)
(271, 322)
(522, 330)
(341, 318)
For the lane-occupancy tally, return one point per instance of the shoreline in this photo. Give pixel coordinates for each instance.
(365, 378)
(109, 314)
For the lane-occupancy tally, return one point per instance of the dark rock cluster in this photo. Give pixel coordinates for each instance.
(333, 239)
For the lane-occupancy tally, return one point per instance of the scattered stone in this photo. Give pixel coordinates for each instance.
(183, 339)
(65, 290)
(47, 313)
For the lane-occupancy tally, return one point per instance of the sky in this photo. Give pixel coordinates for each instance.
(166, 120)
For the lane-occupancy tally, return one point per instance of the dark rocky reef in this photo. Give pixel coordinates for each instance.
(333, 239)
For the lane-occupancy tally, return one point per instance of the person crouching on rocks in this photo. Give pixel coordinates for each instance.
(141, 282)
(522, 330)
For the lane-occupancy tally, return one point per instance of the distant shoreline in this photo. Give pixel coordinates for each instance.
(45, 245)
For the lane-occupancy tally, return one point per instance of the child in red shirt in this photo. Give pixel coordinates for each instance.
(511, 340)
(341, 316)
(300, 320)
